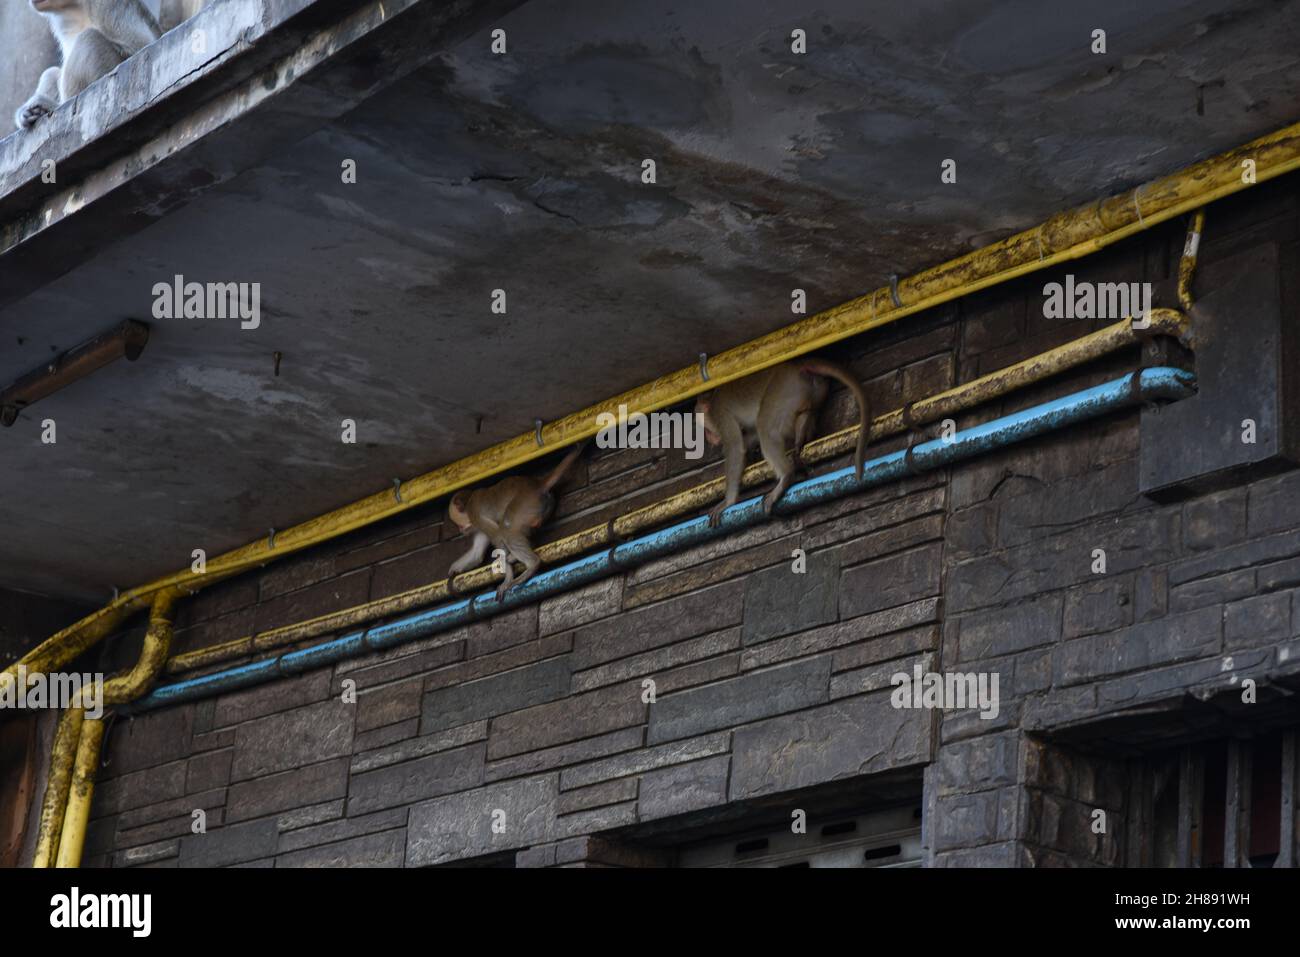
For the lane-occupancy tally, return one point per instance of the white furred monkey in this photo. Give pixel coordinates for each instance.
(172, 13)
(94, 36)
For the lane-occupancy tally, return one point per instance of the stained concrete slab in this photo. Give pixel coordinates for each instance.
(522, 172)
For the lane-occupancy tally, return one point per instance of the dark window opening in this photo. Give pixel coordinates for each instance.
(1226, 803)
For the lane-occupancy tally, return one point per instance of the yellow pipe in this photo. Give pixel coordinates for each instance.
(1167, 322)
(153, 655)
(62, 822)
(57, 782)
(1187, 264)
(1064, 237)
(81, 794)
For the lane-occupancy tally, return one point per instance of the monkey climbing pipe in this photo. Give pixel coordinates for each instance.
(1141, 386)
(69, 789)
(78, 740)
(71, 747)
(961, 398)
(1065, 236)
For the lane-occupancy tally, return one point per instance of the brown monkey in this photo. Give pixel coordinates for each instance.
(504, 516)
(779, 404)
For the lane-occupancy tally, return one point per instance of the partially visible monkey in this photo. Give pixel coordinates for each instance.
(504, 516)
(175, 12)
(780, 405)
(94, 36)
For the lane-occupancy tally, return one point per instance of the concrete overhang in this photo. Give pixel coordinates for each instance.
(522, 172)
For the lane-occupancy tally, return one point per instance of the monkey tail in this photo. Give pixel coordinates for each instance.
(557, 473)
(842, 375)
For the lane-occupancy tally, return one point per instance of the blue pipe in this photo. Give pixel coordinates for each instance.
(1144, 385)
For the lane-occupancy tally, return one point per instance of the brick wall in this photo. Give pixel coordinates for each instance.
(26, 620)
(528, 739)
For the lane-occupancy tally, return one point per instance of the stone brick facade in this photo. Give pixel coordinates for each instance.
(529, 740)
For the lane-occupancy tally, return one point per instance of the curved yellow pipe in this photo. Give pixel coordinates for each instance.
(153, 655)
(74, 760)
(1064, 237)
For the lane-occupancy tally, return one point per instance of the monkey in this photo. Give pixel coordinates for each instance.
(172, 13)
(780, 404)
(505, 515)
(94, 37)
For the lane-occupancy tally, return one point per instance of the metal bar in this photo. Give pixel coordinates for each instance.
(1139, 789)
(1186, 780)
(126, 340)
(1133, 818)
(1198, 808)
(1247, 799)
(1286, 851)
(1162, 383)
(1233, 805)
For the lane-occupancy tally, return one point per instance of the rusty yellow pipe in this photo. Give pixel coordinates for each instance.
(1187, 263)
(75, 755)
(81, 793)
(57, 782)
(153, 655)
(1063, 237)
(1168, 322)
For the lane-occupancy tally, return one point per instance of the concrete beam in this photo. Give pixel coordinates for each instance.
(171, 123)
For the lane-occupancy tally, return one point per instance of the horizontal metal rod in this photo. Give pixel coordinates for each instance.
(126, 340)
(1143, 385)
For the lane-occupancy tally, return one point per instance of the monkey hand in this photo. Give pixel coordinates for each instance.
(502, 589)
(770, 499)
(31, 112)
(715, 514)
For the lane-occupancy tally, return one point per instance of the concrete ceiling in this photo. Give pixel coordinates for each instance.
(522, 172)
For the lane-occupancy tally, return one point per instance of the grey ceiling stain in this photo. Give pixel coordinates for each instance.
(523, 172)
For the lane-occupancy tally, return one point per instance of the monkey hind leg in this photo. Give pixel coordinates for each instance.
(803, 430)
(518, 547)
(508, 581)
(733, 456)
(774, 496)
(778, 457)
(92, 55)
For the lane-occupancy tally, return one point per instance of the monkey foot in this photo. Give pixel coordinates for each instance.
(31, 114)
